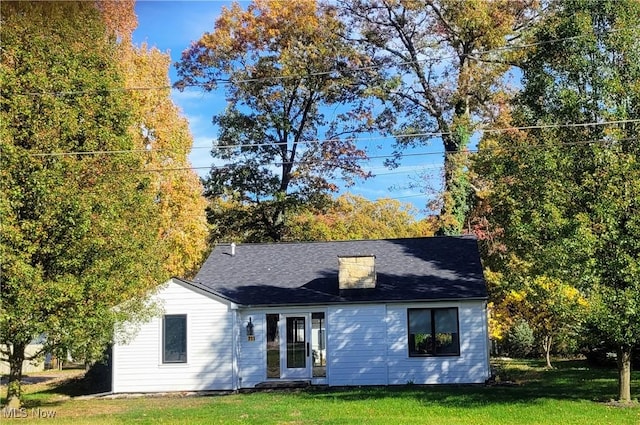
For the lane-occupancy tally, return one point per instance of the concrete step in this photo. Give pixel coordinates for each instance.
(283, 384)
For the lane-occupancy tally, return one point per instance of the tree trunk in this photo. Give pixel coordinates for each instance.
(624, 373)
(454, 206)
(456, 186)
(16, 358)
(547, 342)
(276, 230)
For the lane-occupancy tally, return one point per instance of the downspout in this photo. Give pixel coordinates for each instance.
(487, 341)
(234, 347)
(113, 367)
(386, 341)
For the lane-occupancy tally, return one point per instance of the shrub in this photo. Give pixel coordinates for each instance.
(519, 340)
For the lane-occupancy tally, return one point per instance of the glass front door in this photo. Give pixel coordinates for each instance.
(295, 354)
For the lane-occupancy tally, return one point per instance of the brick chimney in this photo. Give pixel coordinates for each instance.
(357, 272)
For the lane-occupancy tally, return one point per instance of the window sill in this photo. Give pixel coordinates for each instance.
(176, 364)
(422, 356)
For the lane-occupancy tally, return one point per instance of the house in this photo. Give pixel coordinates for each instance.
(371, 312)
(29, 366)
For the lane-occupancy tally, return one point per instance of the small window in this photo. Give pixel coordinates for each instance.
(433, 332)
(273, 346)
(174, 338)
(319, 345)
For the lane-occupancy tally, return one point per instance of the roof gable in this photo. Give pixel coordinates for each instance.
(411, 269)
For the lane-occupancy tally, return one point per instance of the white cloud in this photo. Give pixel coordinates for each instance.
(185, 96)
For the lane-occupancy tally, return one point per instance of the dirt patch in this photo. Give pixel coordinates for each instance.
(37, 381)
(616, 403)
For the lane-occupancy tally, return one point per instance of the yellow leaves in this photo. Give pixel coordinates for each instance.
(297, 33)
(498, 322)
(410, 4)
(488, 21)
(493, 277)
(158, 123)
(546, 303)
(263, 25)
(571, 294)
(295, 13)
(515, 296)
(119, 16)
(354, 217)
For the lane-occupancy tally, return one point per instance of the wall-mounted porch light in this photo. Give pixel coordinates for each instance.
(250, 335)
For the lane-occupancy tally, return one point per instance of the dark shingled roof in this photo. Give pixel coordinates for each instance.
(437, 268)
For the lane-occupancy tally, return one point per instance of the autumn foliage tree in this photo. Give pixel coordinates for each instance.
(566, 192)
(79, 228)
(283, 64)
(352, 217)
(440, 62)
(158, 129)
(552, 308)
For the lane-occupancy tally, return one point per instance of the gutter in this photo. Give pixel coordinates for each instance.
(363, 302)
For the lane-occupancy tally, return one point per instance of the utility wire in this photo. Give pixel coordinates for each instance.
(350, 139)
(228, 81)
(101, 152)
(469, 151)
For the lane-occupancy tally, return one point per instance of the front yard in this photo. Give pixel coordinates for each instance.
(525, 394)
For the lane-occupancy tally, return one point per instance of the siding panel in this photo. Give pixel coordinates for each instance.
(472, 366)
(356, 345)
(137, 365)
(252, 355)
(366, 345)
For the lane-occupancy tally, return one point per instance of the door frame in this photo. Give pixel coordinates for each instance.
(295, 373)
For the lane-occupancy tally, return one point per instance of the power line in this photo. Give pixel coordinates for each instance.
(566, 125)
(101, 152)
(470, 151)
(408, 169)
(350, 139)
(97, 91)
(228, 81)
(432, 165)
(406, 196)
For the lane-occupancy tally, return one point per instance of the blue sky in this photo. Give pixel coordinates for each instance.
(172, 26)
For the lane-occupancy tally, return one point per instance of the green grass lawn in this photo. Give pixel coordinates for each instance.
(526, 394)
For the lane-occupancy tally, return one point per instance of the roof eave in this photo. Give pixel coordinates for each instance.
(408, 301)
(215, 294)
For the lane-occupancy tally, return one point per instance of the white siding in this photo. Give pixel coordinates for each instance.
(471, 366)
(138, 367)
(366, 345)
(356, 345)
(252, 355)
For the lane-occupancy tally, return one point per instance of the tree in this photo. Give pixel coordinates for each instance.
(519, 340)
(79, 229)
(158, 127)
(354, 217)
(346, 217)
(552, 308)
(566, 196)
(440, 61)
(613, 227)
(283, 64)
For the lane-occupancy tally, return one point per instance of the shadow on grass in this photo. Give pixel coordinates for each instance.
(59, 393)
(522, 382)
(78, 387)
